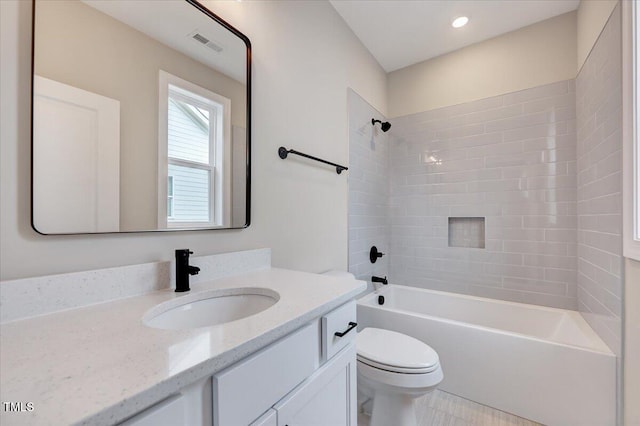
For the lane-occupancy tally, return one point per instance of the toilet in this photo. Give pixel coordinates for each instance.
(393, 370)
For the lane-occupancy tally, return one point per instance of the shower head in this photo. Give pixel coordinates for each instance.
(384, 126)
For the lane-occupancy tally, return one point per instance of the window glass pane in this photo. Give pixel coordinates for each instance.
(190, 200)
(188, 131)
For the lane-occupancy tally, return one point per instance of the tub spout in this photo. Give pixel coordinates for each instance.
(375, 279)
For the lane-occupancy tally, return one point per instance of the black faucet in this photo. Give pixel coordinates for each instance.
(183, 270)
(375, 279)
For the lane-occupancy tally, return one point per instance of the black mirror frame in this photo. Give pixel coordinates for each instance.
(247, 43)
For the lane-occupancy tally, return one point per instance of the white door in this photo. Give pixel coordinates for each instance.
(76, 159)
(328, 397)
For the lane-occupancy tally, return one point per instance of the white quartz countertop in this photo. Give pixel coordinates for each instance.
(100, 364)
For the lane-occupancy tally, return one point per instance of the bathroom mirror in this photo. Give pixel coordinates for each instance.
(141, 118)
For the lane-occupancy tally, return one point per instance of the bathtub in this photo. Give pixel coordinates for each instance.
(543, 364)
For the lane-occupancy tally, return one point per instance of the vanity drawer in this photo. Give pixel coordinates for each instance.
(244, 391)
(341, 320)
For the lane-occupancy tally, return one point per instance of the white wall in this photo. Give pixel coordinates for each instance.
(592, 16)
(539, 54)
(632, 343)
(304, 59)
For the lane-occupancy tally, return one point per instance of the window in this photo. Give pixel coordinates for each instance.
(194, 129)
(631, 129)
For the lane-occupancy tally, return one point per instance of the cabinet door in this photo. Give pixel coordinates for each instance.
(328, 397)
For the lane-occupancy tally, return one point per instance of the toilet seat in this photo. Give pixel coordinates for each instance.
(395, 368)
(395, 352)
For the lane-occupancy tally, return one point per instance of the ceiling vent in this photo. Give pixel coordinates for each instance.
(205, 41)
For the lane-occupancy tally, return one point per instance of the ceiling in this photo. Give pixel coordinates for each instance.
(400, 33)
(173, 23)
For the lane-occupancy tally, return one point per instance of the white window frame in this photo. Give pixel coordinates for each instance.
(631, 129)
(219, 153)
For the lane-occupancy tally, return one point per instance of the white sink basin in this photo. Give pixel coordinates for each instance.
(210, 308)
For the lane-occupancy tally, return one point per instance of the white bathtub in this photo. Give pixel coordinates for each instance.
(543, 364)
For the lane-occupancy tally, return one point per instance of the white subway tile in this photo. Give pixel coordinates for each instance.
(537, 247)
(561, 194)
(532, 208)
(560, 235)
(515, 234)
(535, 132)
(505, 221)
(547, 90)
(567, 142)
(550, 221)
(551, 261)
(533, 170)
(494, 185)
(535, 286)
(462, 131)
(551, 103)
(491, 150)
(557, 155)
(559, 275)
(609, 165)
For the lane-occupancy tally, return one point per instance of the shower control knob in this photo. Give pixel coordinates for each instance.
(374, 254)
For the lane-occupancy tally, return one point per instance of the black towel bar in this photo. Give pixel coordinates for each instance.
(283, 152)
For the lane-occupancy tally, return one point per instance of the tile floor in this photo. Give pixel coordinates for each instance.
(444, 409)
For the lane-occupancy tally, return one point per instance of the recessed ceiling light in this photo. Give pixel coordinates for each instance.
(460, 21)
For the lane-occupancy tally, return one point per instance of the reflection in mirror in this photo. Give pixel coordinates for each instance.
(140, 117)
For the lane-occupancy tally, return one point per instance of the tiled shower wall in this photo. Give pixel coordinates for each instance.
(510, 159)
(599, 121)
(368, 189)
(549, 195)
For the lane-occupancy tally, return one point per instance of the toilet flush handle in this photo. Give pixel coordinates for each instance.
(352, 325)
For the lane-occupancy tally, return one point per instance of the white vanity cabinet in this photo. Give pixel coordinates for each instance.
(306, 378)
(328, 397)
(192, 406)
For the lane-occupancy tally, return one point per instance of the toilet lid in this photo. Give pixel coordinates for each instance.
(393, 351)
